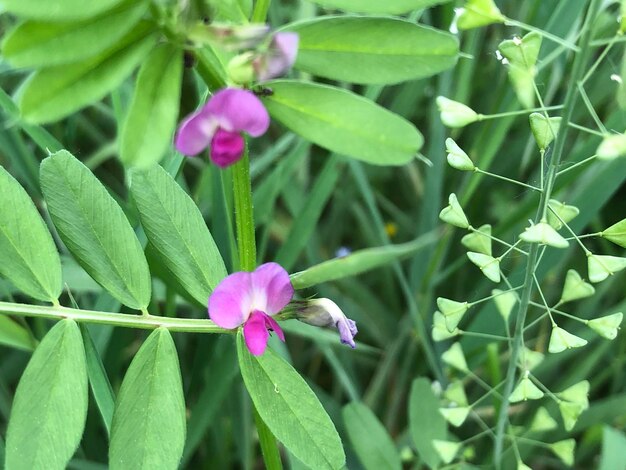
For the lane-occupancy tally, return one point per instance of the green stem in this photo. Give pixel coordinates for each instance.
(486, 117)
(260, 11)
(244, 213)
(518, 339)
(146, 322)
(246, 243)
(269, 449)
(552, 37)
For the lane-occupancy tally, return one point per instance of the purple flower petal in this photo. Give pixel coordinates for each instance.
(273, 325)
(272, 289)
(255, 333)
(195, 132)
(230, 302)
(280, 57)
(239, 110)
(347, 330)
(226, 148)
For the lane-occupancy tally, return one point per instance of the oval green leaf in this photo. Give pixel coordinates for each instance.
(149, 420)
(370, 440)
(151, 120)
(393, 7)
(55, 92)
(57, 10)
(50, 406)
(290, 409)
(343, 122)
(358, 262)
(427, 424)
(29, 256)
(177, 231)
(372, 50)
(14, 335)
(39, 43)
(95, 230)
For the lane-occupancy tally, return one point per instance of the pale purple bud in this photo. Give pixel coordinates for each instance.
(326, 313)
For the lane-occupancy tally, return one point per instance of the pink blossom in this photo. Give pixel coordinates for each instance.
(219, 124)
(251, 299)
(279, 57)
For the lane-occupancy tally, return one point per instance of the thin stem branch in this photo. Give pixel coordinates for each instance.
(552, 37)
(518, 339)
(146, 322)
(504, 178)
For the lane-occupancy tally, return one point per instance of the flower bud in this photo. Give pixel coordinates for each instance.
(326, 313)
(228, 36)
(240, 69)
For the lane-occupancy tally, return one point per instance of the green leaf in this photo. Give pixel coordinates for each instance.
(50, 406)
(14, 335)
(372, 50)
(358, 262)
(343, 122)
(149, 419)
(426, 422)
(613, 445)
(29, 256)
(369, 438)
(57, 10)
(177, 231)
(100, 385)
(290, 409)
(40, 43)
(55, 92)
(94, 228)
(151, 121)
(395, 7)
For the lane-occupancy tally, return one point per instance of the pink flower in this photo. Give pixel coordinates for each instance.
(219, 124)
(279, 57)
(251, 299)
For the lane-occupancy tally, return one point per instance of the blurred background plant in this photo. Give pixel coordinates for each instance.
(311, 207)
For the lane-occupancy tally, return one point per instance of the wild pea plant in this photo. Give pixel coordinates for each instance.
(213, 113)
(207, 83)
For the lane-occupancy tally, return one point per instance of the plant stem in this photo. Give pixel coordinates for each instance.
(146, 322)
(269, 449)
(244, 214)
(518, 339)
(246, 243)
(260, 11)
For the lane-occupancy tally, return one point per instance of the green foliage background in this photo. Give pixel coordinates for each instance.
(309, 203)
